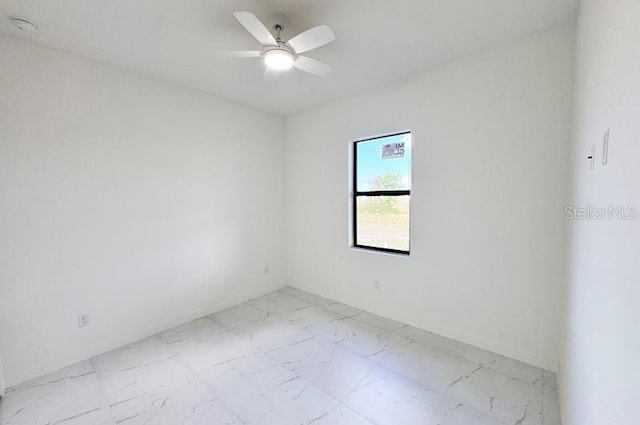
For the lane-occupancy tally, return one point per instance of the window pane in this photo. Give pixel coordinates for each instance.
(384, 163)
(383, 222)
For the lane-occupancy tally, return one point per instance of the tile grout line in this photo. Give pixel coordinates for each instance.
(445, 394)
(201, 379)
(102, 390)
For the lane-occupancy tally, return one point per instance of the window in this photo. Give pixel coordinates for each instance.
(382, 193)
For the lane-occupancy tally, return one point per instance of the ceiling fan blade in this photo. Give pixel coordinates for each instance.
(312, 66)
(271, 75)
(312, 39)
(255, 27)
(241, 53)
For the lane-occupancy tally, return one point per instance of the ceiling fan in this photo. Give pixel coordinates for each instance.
(279, 55)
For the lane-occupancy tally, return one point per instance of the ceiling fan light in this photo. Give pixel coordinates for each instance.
(278, 59)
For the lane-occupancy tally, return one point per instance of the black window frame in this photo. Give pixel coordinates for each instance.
(356, 194)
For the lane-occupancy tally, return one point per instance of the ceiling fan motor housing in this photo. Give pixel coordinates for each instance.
(279, 21)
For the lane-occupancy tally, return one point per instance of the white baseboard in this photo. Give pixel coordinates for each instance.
(56, 363)
(479, 342)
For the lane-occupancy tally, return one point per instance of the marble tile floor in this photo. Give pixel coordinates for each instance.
(290, 358)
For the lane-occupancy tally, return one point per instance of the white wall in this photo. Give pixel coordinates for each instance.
(600, 361)
(491, 147)
(143, 204)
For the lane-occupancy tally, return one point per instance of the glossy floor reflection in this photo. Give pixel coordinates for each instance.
(290, 358)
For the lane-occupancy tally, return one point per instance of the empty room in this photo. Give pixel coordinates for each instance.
(312, 212)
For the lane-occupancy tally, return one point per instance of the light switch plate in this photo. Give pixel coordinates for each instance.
(605, 148)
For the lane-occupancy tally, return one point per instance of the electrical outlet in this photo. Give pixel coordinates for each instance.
(83, 320)
(266, 269)
(376, 285)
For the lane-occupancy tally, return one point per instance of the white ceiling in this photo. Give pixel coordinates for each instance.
(377, 40)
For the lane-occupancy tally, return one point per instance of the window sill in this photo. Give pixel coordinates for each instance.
(378, 252)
